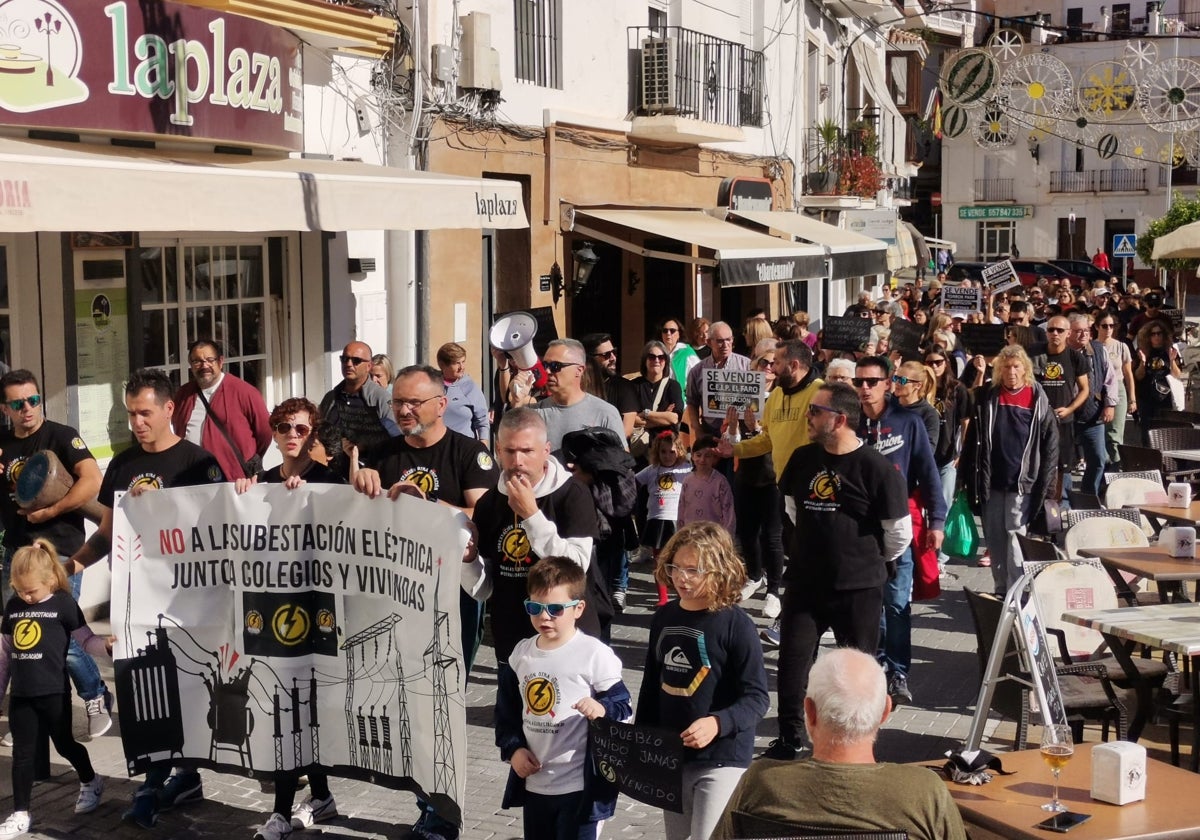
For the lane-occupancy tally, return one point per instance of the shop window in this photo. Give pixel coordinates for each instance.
(994, 240)
(538, 32)
(206, 291)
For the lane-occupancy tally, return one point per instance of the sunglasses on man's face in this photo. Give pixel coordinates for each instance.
(34, 401)
(535, 608)
(354, 360)
(286, 429)
(558, 367)
(1056, 330)
(869, 381)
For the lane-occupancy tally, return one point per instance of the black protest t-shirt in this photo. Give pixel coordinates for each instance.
(508, 553)
(183, 465)
(1058, 374)
(444, 471)
(841, 501)
(65, 531)
(39, 634)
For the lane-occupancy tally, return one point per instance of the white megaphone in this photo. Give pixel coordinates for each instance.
(513, 334)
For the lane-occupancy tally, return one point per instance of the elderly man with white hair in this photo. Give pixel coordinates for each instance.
(839, 370)
(842, 787)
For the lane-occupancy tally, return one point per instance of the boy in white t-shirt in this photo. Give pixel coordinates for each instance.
(552, 685)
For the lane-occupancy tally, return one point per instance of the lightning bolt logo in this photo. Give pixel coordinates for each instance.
(290, 624)
(26, 634)
(540, 696)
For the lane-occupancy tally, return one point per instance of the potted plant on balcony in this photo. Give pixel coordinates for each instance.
(823, 177)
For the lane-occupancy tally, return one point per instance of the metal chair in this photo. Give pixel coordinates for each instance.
(1078, 500)
(1128, 490)
(1140, 458)
(747, 825)
(1177, 438)
(1151, 475)
(1034, 550)
(1087, 692)
(1192, 418)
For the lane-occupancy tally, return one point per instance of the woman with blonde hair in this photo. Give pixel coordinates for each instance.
(1013, 446)
(914, 386)
(806, 335)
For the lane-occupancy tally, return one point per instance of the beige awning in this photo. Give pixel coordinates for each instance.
(851, 254)
(743, 257)
(75, 186)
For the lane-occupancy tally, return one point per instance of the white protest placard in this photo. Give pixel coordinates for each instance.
(1000, 277)
(722, 388)
(958, 299)
(285, 629)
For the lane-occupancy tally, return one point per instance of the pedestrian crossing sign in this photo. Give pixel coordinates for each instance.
(1125, 245)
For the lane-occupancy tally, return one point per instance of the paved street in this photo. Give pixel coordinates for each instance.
(944, 682)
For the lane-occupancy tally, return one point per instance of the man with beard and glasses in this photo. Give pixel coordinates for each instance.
(850, 506)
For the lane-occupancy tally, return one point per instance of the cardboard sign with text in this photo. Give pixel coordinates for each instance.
(906, 336)
(1000, 277)
(848, 334)
(983, 339)
(645, 764)
(958, 299)
(739, 388)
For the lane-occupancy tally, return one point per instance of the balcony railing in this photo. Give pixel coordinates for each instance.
(1098, 180)
(1180, 176)
(687, 73)
(993, 189)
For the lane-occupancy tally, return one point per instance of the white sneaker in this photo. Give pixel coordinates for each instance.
(6, 741)
(16, 825)
(98, 717)
(89, 795)
(751, 587)
(276, 828)
(771, 606)
(312, 811)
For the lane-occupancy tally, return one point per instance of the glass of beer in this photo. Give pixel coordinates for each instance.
(1057, 749)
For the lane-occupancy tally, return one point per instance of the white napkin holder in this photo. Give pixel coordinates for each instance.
(1180, 541)
(1119, 772)
(1179, 494)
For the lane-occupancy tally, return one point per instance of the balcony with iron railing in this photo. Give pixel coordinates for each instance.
(1098, 181)
(683, 73)
(993, 189)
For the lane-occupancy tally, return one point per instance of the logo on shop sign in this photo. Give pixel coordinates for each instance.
(40, 57)
(772, 272)
(494, 205)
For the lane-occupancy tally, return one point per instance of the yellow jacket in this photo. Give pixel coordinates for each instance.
(784, 426)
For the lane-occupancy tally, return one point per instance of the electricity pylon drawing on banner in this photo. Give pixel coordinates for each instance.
(369, 750)
(443, 744)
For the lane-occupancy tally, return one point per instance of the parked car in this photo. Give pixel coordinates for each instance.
(1082, 268)
(1033, 272)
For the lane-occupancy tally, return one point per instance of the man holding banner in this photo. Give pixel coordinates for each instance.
(159, 458)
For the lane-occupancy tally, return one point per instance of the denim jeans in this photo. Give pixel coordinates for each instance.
(949, 474)
(895, 622)
(1114, 432)
(1091, 441)
(80, 665)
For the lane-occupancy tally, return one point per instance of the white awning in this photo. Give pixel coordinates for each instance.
(904, 253)
(744, 257)
(939, 244)
(851, 254)
(75, 186)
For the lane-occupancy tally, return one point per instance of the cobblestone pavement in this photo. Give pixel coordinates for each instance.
(944, 682)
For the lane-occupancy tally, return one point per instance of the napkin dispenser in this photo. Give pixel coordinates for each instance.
(1119, 772)
(1179, 494)
(1180, 541)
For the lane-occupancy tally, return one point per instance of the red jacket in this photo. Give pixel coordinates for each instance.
(241, 410)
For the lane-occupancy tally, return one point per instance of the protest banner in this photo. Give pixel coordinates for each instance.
(645, 764)
(722, 388)
(983, 339)
(292, 629)
(849, 334)
(906, 336)
(1000, 277)
(958, 299)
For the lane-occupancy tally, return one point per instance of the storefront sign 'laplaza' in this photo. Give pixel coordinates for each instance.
(162, 69)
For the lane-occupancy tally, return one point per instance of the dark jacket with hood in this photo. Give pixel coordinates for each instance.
(899, 435)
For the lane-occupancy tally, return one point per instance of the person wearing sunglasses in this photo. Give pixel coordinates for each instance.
(1156, 362)
(850, 510)
(659, 399)
(1100, 407)
(293, 423)
(222, 413)
(357, 407)
(899, 435)
(61, 521)
(953, 404)
(683, 357)
(720, 342)
(1120, 360)
(586, 676)
(1063, 374)
(604, 379)
(568, 406)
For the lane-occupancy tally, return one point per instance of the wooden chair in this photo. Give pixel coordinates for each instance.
(1087, 692)
(1140, 458)
(747, 825)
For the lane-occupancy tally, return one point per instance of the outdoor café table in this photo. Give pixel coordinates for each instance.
(1182, 454)
(1011, 806)
(1170, 627)
(1151, 562)
(1160, 515)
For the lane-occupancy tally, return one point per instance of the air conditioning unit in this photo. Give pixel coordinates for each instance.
(660, 92)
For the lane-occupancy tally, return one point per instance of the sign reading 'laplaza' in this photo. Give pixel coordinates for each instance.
(160, 69)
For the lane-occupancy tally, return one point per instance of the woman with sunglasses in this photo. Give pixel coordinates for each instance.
(1157, 361)
(952, 402)
(1119, 359)
(683, 357)
(292, 424)
(659, 397)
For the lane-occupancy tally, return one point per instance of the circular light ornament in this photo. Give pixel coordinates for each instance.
(1170, 95)
(1038, 84)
